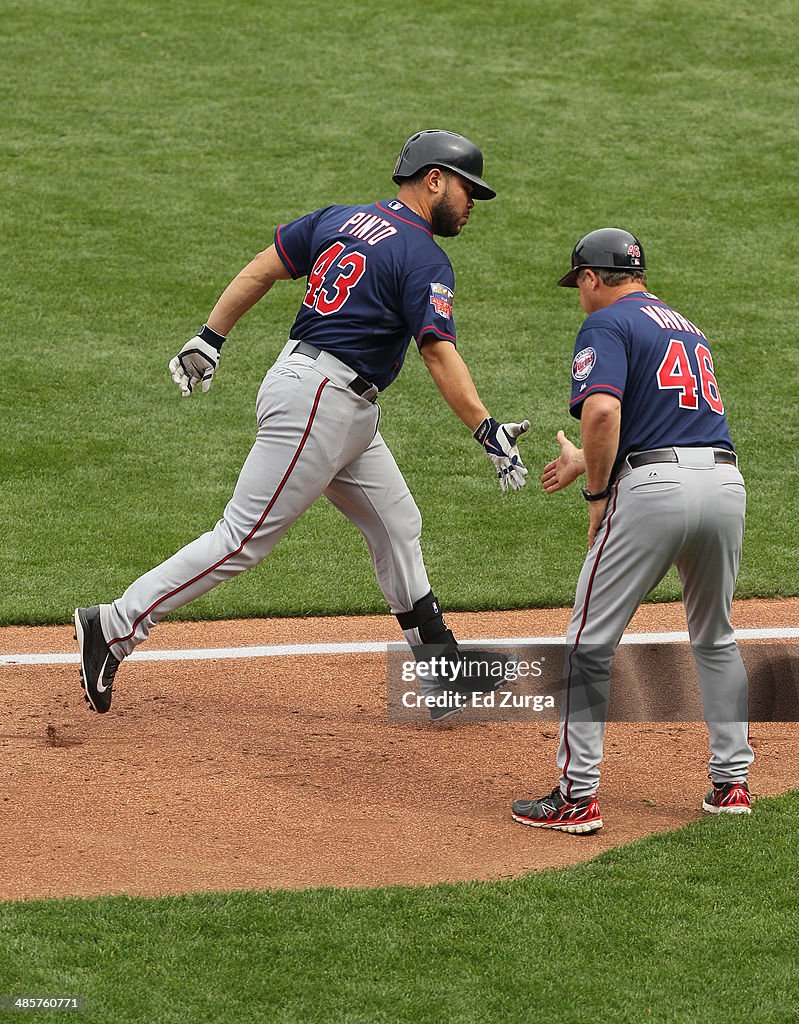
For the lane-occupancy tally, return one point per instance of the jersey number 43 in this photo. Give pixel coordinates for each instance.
(332, 279)
(675, 372)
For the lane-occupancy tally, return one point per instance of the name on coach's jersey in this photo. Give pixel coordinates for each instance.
(441, 300)
(583, 364)
(368, 227)
(668, 320)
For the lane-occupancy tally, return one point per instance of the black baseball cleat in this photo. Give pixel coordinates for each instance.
(98, 666)
(555, 811)
(728, 798)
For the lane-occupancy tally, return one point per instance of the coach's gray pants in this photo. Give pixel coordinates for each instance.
(315, 436)
(689, 514)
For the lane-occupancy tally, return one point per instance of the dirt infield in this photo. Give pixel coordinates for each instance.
(283, 772)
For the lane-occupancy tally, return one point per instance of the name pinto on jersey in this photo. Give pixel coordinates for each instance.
(368, 227)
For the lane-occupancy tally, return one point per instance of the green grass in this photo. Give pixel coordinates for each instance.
(149, 150)
(696, 925)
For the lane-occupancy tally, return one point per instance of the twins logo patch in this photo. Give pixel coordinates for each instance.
(583, 364)
(441, 300)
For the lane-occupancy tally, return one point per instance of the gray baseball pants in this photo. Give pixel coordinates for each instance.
(315, 436)
(689, 514)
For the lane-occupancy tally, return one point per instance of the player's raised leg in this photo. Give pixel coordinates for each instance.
(299, 445)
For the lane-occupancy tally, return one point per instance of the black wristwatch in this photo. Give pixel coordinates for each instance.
(598, 496)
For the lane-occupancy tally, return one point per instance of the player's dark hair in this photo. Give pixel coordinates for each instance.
(613, 278)
(418, 178)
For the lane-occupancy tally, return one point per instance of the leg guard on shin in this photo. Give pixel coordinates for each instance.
(424, 628)
(466, 672)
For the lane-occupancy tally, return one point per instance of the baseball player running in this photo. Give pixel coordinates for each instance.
(663, 489)
(375, 278)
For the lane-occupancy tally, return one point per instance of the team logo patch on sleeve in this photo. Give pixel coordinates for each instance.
(441, 300)
(583, 364)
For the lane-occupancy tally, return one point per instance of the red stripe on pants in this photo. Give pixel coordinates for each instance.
(577, 641)
(250, 535)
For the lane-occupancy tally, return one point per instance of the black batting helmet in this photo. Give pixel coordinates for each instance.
(605, 249)
(437, 148)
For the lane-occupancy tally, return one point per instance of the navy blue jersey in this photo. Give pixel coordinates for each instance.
(658, 364)
(376, 278)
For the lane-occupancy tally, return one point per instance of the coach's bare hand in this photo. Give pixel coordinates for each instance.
(565, 469)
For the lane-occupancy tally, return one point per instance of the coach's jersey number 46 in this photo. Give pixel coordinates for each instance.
(675, 372)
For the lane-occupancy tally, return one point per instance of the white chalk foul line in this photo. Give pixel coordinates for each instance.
(298, 650)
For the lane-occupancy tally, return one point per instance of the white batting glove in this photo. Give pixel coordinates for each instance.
(499, 442)
(197, 361)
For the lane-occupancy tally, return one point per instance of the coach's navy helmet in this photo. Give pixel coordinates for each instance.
(605, 249)
(438, 148)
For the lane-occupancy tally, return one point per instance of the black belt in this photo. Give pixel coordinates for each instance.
(359, 385)
(637, 459)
